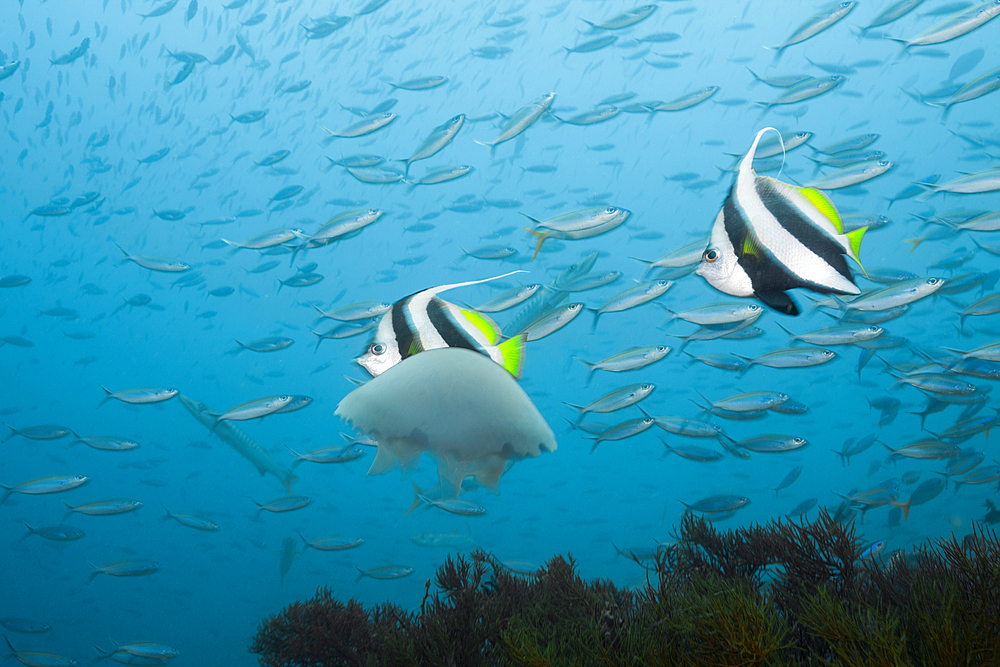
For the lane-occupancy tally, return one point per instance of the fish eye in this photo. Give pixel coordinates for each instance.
(377, 348)
(284, 398)
(661, 348)
(711, 255)
(754, 306)
(610, 209)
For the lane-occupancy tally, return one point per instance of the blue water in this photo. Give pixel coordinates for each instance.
(214, 588)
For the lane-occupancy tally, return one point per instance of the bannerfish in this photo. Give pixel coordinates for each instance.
(422, 322)
(771, 237)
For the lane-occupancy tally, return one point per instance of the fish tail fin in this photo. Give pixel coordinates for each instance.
(512, 352)
(490, 145)
(418, 495)
(647, 262)
(670, 449)
(855, 240)
(572, 425)
(783, 329)
(169, 515)
(107, 396)
(31, 531)
(903, 506)
(590, 368)
(841, 304)
(287, 479)
(541, 236)
(915, 242)
(319, 339)
(325, 129)
(778, 51)
(361, 574)
(103, 654)
(597, 316)
(579, 408)
(817, 164)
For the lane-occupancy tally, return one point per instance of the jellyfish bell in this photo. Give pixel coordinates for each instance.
(457, 405)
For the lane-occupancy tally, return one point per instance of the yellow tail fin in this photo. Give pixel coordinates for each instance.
(855, 238)
(512, 351)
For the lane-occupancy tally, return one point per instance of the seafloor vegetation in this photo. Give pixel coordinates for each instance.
(784, 593)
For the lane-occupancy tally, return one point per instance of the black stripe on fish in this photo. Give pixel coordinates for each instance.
(768, 278)
(766, 273)
(450, 334)
(805, 232)
(402, 331)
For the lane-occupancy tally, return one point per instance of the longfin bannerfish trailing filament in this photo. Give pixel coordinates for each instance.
(771, 237)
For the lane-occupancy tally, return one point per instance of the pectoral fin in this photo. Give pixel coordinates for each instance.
(779, 301)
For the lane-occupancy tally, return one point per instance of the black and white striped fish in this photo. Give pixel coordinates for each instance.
(771, 237)
(422, 321)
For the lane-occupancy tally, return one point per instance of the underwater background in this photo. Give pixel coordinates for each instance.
(90, 123)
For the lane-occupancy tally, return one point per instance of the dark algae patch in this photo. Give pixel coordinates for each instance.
(783, 593)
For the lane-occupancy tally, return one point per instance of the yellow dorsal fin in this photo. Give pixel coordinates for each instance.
(483, 323)
(824, 206)
(750, 247)
(415, 347)
(512, 351)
